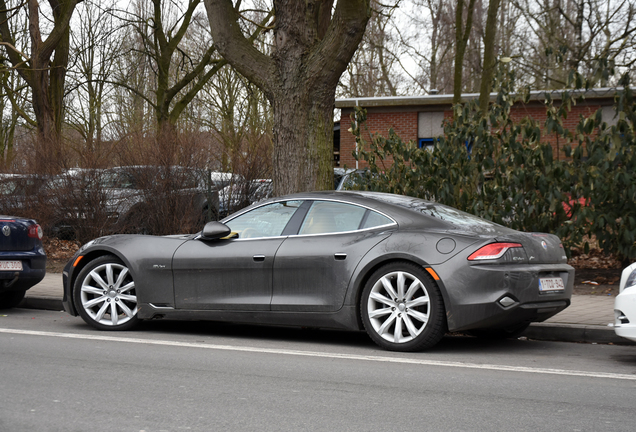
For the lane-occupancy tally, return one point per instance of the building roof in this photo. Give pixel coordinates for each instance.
(447, 99)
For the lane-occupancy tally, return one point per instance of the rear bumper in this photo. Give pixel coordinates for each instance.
(33, 271)
(503, 295)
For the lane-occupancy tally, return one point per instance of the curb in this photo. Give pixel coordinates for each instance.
(42, 302)
(539, 331)
(575, 333)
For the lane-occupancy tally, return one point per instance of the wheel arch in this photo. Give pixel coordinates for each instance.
(369, 268)
(87, 259)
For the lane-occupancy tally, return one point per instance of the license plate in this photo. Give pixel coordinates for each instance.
(10, 265)
(551, 284)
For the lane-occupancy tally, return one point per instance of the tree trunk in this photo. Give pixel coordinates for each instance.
(48, 151)
(462, 33)
(44, 75)
(303, 129)
(490, 60)
(312, 47)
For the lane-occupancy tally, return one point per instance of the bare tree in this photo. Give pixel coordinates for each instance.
(574, 34)
(490, 60)
(95, 46)
(43, 69)
(313, 43)
(13, 93)
(238, 114)
(427, 43)
(179, 72)
(462, 34)
(374, 68)
(134, 80)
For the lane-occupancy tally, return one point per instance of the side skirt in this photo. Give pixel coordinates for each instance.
(344, 319)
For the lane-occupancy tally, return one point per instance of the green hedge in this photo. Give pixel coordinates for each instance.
(511, 176)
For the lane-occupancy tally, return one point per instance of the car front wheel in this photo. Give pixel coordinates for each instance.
(105, 294)
(402, 308)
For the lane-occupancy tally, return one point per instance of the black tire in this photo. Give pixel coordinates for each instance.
(11, 299)
(410, 318)
(105, 296)
(511, 332)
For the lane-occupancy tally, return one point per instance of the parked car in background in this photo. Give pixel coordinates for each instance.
(346, 179)
(134, 191)
(403, 269)
(220, 180)
(135, 199)
(22, 258)
(338, 175)
(242, 194)
(72, 200)
(625, 305)
(19, 193)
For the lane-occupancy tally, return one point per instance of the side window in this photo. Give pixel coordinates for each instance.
(116, 180)
(332, 217)
(375, 219)
(266, 221)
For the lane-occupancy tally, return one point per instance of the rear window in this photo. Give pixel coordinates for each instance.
(439, 211)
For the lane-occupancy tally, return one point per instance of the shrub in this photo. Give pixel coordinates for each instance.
(502, 171)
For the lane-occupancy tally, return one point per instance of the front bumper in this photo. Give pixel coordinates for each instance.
(625, 314)
(67, 301)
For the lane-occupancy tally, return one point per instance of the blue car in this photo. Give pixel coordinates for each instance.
(22, 258)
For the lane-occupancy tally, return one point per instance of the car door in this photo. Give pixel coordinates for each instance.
(312, 270)
(233, 273)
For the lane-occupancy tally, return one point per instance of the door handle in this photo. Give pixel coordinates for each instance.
(340, 256)
(259, 258)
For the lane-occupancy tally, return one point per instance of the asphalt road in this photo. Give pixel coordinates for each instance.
(57, 374)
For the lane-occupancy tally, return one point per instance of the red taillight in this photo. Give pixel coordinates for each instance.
(35, 231)
(492, 251)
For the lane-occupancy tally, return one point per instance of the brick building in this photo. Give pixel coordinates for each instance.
(419, 118)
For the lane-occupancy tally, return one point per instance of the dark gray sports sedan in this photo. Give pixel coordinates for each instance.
(403, 269)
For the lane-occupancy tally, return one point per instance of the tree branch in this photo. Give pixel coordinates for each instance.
(238, 50)
(341, 40)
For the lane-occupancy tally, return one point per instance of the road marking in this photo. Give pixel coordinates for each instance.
(422, 362)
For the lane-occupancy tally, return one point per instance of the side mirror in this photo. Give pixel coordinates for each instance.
(215, 230)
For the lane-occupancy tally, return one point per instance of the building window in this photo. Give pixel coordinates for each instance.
(429, 126)
(426, 143)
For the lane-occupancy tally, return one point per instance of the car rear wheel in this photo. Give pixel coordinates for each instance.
(105, 294)
(402, 308)
(11, 299)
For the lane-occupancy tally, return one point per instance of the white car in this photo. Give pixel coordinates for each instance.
(625, 305)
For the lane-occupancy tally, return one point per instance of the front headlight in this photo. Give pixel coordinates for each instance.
(628, 277)
(631, 280)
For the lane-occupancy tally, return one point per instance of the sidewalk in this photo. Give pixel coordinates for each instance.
(585, 320)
